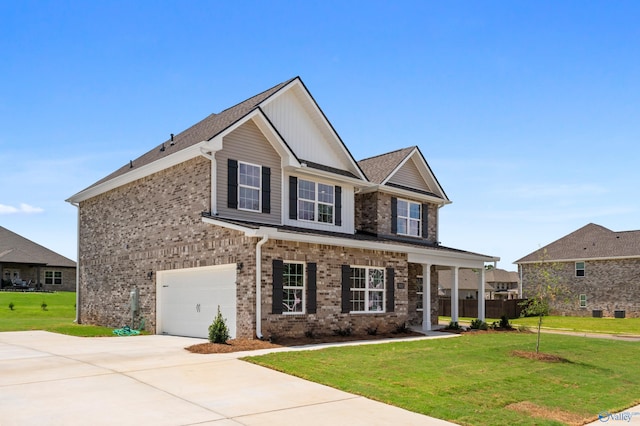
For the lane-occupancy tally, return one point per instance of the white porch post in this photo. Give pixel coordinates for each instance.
(454, 295)
(481, 296)
(426, 297)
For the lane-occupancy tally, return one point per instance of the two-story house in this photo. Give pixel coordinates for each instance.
(261, 210)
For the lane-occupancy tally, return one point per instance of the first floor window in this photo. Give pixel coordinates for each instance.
(367, 289)
(249, 186)
(52, 277)
(419, 293)
(583, 300)
(579, 269)
(409, 218)
(293, 288)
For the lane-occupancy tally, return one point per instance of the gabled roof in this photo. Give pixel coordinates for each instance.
(500, 276)
(382, 168)
(17, 249)
(468, 279)
(589, 242)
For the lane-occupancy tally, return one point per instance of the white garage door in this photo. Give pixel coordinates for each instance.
(188, 300)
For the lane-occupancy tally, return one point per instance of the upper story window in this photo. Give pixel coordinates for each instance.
(409, 218)
(315, 201)
(249, 186)
(580, 269)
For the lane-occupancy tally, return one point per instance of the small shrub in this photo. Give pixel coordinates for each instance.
(453, 325)
(372, 331)
(504, 323)
(218, 330)
(523, 328)
(310, 334)
(11, 305)
(402, 329)
(343, 331)
(43, 306)
(478, 324)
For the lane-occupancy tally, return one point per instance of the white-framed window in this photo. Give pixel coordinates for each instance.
(583, 300)
(52, 277)
(293, 288)
(409, 218)
(419, 293)
(316, 201)
(367, 289)
(580, 270)
(249, 177)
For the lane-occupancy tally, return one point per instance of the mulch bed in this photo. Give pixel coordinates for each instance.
(239, 345)
(539, 356)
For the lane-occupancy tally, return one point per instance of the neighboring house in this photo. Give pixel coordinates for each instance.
(262, 211)
(27, 265)
(499, 284)
(599, 268)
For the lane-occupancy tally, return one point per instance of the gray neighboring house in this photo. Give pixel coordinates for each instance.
(28, 265)
(262, 211)
(600, 268)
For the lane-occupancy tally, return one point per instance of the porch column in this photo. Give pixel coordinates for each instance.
(481, 301)
(454, 295)
(426, 297)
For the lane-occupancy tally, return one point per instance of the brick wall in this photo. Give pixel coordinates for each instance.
(609, 285)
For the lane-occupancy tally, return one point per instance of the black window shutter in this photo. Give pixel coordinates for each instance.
(293, 197)
(394, 215)
(266, 189)
(232, 184)
(338, 201)
(346, 289)
(391, 285)
(278, 274)
(425, 220)
(311, 288)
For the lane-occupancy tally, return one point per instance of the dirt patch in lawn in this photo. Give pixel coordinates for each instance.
(539, 356)
(238, 345)
(556, 414)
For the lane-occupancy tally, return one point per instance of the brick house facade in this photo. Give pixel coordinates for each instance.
(262, 212)
(598, 268)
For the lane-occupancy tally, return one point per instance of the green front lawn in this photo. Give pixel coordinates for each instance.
(57, 316)
(476, 380)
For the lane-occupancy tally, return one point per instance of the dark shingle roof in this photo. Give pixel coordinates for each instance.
(589, 242)
(378, 168)
(201, 131)
(17, 249)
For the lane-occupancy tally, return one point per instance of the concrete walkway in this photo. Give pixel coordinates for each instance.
(53, 379)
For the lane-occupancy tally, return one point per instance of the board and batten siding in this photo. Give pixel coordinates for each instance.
(303, 134)
(247, 144)
(408, 175)
(347, 215)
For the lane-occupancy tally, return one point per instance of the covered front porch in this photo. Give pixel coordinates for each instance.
(425, 266)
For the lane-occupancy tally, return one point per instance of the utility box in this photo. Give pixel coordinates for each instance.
(134, 301)
(619, 314)
(596, 313)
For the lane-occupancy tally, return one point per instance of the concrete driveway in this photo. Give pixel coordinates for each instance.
(53, 379)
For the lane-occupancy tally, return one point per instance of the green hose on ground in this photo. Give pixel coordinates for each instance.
(126, 331)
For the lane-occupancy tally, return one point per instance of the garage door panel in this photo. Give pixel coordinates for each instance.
(188, 299)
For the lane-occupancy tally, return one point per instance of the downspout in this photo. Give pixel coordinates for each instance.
(259, 245)
(77, 320)
(214, 204)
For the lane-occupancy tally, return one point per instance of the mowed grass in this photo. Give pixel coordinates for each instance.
(475, 379)
(57, 316)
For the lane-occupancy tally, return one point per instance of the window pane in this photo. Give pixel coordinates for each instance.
(306, 210)
(376, 278)
(306, 190)
(325, 193)
(375, 301)
(358, 278)
(292, 300)
(414, 211)
(249, 175)
(402, 208)
(414, 228)
(357, 301)
(249, 199)
(325, 213)
(402, 226)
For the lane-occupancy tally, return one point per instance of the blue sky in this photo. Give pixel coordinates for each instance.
(527, 112)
